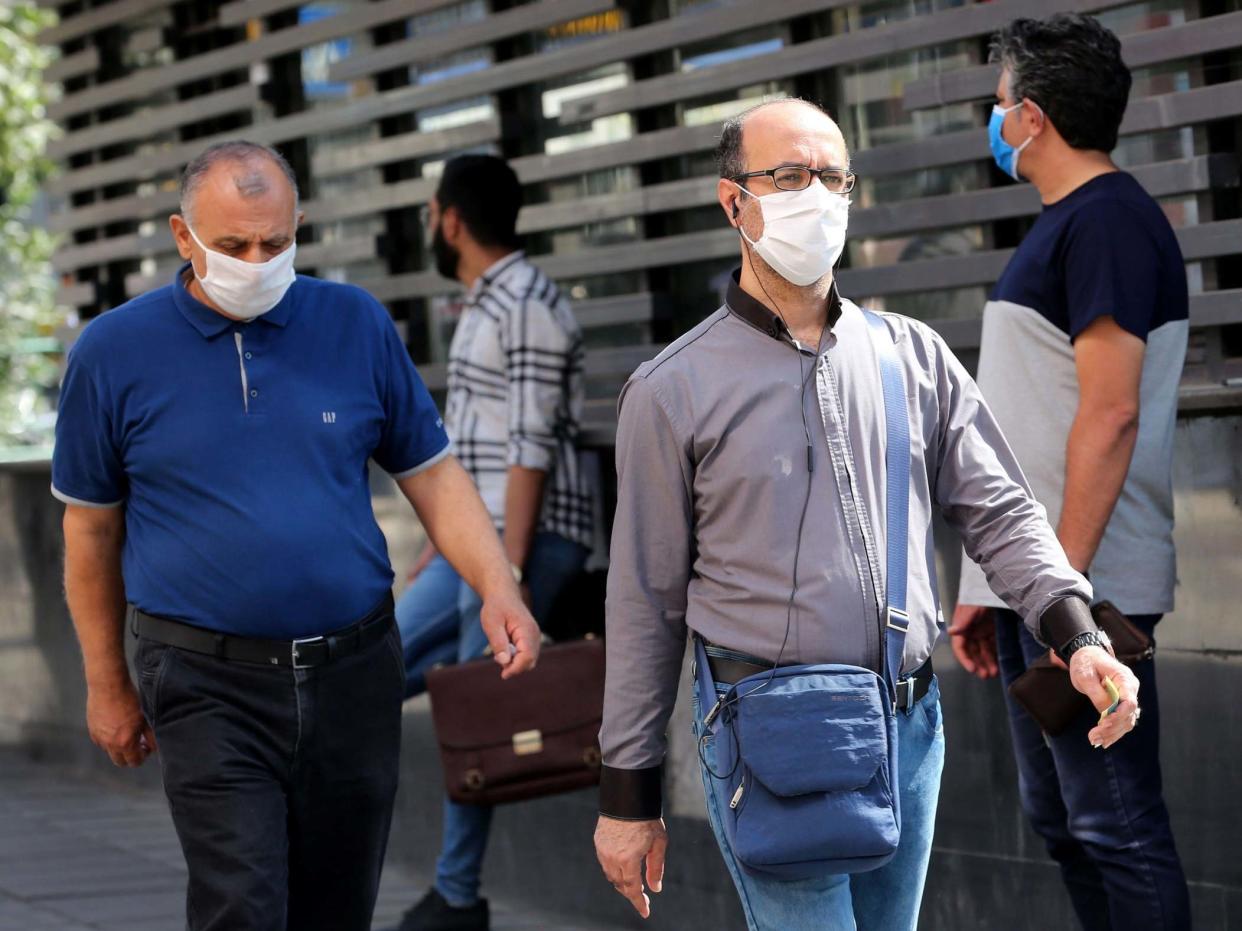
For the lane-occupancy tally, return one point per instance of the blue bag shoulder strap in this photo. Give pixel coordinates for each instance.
(897, 496)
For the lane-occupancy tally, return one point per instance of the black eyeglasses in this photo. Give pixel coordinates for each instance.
(798, 178)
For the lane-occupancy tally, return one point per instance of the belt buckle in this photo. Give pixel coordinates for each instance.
(294, 655)
(909, 684)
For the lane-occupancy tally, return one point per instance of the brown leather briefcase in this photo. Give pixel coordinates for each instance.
(534, 735)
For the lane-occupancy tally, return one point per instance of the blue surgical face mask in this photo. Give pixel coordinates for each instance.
(1006, 155)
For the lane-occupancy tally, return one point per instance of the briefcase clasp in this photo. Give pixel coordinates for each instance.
(527, 742)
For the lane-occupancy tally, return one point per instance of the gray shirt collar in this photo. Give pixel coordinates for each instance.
(757, 314)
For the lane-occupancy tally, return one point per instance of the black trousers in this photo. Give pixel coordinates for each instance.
(281, 782)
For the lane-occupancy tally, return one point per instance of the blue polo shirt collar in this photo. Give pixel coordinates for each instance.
(210, 323)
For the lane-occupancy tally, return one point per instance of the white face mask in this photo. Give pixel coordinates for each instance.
(803, 232)
(246, 289)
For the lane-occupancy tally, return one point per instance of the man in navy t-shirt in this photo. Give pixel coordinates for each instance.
(212, 452)
(1082, 350)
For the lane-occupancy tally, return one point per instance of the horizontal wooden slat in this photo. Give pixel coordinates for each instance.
(615, 311)
(72, 66)
(817, 55)
(1162, 179)
(612, 364)
(1206, 240)
(1139, 49)
(75, 295)
(337, 252)
(1209, 308)
(1215, 308)
(672, 195)
(352, 20)
(374, 199)
(503, 25)
(343, 160)
(86, 22)
(153, 120)
(619, 257)
(131, 207)
(1209, 240)
(234, 14)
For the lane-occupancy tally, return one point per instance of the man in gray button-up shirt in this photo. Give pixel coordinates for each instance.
(720, 473)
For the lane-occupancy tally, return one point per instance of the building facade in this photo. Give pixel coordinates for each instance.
(609, 111)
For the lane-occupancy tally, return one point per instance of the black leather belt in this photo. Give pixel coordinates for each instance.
(731, 668)
(303, 653)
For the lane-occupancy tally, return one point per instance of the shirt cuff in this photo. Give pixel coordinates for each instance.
(631, 794)
(1064, 620)
(84, 502)
(531, 454)
(425, 464)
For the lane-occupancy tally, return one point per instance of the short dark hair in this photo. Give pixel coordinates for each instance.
(1071, 66)
(237, 151)
(730, 159)
(487, 196)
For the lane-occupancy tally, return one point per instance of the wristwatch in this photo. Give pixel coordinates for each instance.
(1088, 638)
(517, 572)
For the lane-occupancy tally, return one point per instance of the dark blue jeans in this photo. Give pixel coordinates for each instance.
(1101, 813)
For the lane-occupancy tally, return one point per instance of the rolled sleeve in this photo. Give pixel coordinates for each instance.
(413, 437)
(646, 605)
(984, 495)
(538, 353)
(87, 466)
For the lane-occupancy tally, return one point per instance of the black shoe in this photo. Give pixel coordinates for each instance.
(432, 913)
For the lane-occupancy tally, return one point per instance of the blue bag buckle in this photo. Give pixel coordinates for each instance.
(896, 619)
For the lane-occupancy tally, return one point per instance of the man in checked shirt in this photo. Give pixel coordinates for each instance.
(515, 392)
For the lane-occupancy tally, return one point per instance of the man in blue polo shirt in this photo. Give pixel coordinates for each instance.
(212, 452)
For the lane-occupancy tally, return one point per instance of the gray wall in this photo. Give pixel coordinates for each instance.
(988, 869)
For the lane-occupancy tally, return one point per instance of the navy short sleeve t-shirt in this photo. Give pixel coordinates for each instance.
(239, 452)
(1104, 250)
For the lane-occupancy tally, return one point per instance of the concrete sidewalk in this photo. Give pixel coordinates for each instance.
(78, 854)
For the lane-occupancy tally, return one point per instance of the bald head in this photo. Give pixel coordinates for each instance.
(237, 169)
(748, 140)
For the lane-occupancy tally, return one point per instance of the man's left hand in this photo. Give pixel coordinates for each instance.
(1088, 668)
(511, 631)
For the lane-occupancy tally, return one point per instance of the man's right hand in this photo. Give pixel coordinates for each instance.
(622, 846)
(116, 724)
(973, 637)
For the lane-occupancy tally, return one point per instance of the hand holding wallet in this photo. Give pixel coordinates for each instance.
(1045, 690)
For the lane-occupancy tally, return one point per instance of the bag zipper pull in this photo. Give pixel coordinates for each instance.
(737, 796)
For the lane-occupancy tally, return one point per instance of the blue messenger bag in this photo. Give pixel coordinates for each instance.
(808, 753)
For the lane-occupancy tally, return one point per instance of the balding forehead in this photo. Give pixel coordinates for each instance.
(789, 122)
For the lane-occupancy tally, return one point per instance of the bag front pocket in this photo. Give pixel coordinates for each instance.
(814, 733)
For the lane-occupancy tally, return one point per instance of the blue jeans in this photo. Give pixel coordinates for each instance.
(438, 615)
(886, 899)
(1101, 813)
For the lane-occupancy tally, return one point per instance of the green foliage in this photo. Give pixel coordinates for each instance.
(28, 314)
